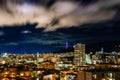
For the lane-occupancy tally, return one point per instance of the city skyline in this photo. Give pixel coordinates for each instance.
(28, 26)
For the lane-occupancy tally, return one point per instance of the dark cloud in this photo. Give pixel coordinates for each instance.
(89, 34)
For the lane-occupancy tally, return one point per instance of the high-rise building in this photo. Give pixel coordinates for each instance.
(79, 54)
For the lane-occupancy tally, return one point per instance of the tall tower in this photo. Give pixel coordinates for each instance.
(79, 54)
(66, 45)
(102, 50)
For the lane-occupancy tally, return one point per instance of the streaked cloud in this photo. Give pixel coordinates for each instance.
(2, 33)
(59, 15)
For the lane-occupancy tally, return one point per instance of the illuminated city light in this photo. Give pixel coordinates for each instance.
(3, 62)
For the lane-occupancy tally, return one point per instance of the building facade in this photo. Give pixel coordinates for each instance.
(79, 54)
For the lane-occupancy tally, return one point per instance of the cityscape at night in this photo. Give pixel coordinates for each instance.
(59, 39)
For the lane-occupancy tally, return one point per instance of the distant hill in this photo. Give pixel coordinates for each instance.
(108, 46)
(64, 50)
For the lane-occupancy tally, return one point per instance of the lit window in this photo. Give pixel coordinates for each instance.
(94, 76)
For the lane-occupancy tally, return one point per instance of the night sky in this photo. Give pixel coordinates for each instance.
(30, 26)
